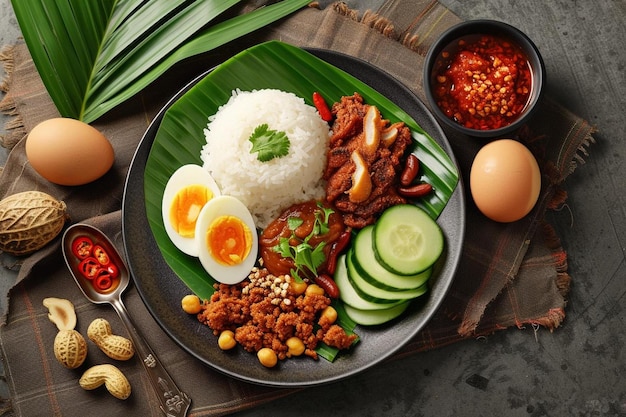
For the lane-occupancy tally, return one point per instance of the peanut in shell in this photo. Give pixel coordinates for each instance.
(30, 220)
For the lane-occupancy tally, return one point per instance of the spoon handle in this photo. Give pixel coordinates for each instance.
(173, 402)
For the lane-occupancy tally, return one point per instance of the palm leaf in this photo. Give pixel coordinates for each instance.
(180, 136)
(93, 55)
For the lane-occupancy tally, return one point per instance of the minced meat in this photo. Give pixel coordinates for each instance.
(265, 311)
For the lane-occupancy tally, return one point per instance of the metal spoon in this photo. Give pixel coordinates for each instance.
(173, 401)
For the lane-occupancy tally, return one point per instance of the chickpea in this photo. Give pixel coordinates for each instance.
(267, 357)
(295, 345)
(191, 304)
(298, 287)
(314, 289)
(226, 340)
(329, 314)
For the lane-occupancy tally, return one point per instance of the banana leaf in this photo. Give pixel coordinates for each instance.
(92, 55)
(277, 65)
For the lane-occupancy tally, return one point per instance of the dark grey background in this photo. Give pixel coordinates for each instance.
(579, 369)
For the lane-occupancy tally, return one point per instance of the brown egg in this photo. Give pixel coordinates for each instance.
(68, 152)
(505, 180)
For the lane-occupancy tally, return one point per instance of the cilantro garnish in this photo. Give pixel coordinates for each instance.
(321, 224)
(306, 257)
(268, 144)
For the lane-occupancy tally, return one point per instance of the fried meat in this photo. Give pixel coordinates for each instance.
(384, 165)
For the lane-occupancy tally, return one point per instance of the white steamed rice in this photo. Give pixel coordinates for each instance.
(266, 188)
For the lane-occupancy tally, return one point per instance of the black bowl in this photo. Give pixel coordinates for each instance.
(469, 31)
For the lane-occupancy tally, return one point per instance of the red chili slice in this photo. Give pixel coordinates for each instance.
(104, 281)
(81, 247)
(113, 270)
(89, 268)
(101, 255)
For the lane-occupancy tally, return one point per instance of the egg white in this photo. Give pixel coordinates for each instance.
(184, 176)
(221, 206)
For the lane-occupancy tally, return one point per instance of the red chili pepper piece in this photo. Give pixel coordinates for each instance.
(81, 247)
(101, 255)
(322, 107)
(337, 247)
(113, 270)
(89, 268)
(103, 282)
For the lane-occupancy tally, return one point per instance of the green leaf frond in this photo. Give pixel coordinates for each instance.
(94, 55)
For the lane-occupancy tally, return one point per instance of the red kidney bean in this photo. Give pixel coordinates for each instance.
(416, 191)
(328, 284)
(411, 169)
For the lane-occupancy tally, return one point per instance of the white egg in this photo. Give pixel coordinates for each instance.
(184, 194)
(227, 239)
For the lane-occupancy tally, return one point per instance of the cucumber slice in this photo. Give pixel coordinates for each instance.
(374, 294)
(375, 317)
(348, 295)
(364, 260)
(407, 240)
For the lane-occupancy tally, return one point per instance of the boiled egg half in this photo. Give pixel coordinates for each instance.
(187, 191)
(227, 239)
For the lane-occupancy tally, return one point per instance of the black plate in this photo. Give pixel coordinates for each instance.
(161, 290)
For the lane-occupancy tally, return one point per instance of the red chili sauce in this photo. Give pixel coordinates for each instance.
(279, 228)
(482, 82)
(96, 265)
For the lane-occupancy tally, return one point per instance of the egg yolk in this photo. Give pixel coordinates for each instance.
(186, 207)
(229, 239)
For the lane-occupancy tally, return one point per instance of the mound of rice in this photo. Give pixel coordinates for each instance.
(266, 188)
